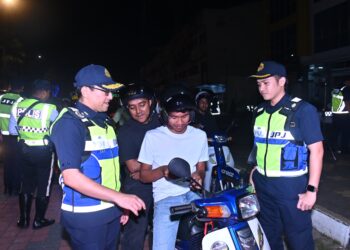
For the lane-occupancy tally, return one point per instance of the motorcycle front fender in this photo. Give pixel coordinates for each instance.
(220, 235)
(228, 236)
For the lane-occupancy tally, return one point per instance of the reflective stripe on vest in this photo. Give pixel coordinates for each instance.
(102, 166)
(277, 154)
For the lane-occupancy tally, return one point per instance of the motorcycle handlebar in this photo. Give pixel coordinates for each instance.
(181, 209)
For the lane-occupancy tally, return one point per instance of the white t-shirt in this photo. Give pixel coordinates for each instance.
(160, 146)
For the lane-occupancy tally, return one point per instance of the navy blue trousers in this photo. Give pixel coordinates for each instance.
(279, 216)
(93, 230)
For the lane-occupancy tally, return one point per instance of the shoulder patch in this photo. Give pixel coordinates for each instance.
(76, 112)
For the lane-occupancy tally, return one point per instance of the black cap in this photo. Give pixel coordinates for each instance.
(40, 84)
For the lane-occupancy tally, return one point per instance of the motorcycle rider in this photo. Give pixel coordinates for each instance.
(175, 139)
(139, 101)
(204, 120)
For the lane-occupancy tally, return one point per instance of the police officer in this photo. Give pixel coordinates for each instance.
(341, 117)
(9, 142)
(87, 150)
(31, 119)
(139, 100)
(287, 132)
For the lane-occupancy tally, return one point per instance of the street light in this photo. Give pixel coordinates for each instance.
(9, 3)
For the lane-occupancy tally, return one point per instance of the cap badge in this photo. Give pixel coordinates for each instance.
(107, 73)
(261, 67)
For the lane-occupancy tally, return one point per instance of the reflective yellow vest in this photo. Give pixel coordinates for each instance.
(279, 153)
(101, 164)
(6, 102)
(34, 127)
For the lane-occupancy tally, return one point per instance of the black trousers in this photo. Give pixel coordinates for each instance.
(135, 230)
(37, 169)
(12, 174)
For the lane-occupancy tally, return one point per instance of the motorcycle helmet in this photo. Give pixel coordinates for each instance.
(178, 103)
(135, 91)
(203, 94)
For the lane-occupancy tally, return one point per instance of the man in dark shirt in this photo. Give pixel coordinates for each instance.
(203, 119)
(139, 102)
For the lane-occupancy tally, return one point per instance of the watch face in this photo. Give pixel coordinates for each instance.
(311, 188)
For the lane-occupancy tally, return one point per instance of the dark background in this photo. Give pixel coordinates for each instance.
(121, 35)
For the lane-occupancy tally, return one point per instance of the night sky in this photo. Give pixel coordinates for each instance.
(121, 35)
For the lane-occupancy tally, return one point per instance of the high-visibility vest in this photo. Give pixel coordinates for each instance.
(338, 104)
(34, 127)
(6, 102)
(278, 152)
(100, 163)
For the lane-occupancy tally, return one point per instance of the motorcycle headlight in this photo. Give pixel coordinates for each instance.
(249, 206)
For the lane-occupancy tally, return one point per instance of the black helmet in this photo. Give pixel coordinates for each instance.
(135, 91)
(176, 89)
(179, 103)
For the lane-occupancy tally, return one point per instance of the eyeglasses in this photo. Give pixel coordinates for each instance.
(107, 92)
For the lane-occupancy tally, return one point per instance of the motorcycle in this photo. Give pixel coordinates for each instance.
(220, 160)
(218, 221)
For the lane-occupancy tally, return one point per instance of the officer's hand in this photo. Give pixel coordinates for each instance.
(306, 201)
(130, 202)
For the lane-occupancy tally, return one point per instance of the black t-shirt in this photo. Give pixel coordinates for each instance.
(207, 123)
(130, 137)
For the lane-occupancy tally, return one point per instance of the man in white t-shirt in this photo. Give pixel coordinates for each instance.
(159, 147)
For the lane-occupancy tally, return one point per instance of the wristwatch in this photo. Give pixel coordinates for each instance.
(311, 188)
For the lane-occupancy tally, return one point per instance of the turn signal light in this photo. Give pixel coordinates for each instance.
(217, 211)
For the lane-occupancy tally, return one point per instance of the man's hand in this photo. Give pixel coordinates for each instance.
(197, 177)
(130, 202)
(125, 217)
(135, 175)
(165, 171)
(306, 201)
